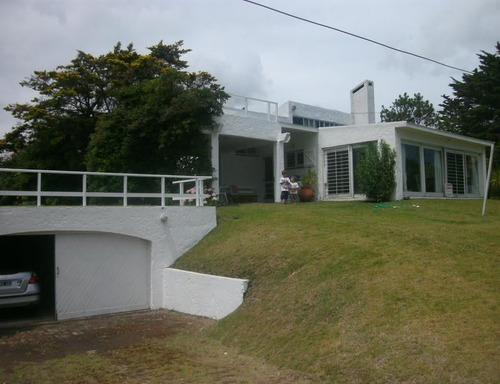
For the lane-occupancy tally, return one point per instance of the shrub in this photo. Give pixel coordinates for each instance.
(376, 171)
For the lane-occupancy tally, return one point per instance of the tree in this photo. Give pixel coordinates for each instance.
(414, 110)
(99, 91)
(474, 108)
(157, 126)
(375, 172)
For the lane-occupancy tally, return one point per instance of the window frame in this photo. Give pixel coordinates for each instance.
(352, 193)
(445, 171)
(297, 155)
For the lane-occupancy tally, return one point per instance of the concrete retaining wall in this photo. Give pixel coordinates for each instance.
(202, 295)
(171, 231)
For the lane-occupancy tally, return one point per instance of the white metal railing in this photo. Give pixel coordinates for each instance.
(198, 196)
(251, 107)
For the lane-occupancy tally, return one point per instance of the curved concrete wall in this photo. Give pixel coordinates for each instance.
(202, 295)
(170, 230)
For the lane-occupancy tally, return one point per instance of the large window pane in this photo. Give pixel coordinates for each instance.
(433, 171)
(337, 165)
(455, 172)
(357, 153)
(412, 168)
(472, 175)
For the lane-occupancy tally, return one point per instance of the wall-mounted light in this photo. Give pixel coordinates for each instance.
(163, 218)
(284, 137)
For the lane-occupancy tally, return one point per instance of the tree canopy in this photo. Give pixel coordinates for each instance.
(474, 107)
(414, 110)
(121, 111)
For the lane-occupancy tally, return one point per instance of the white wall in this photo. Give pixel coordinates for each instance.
(394, 134)
(331, 137)
(202, 295)
(184, 227)
(240, 126)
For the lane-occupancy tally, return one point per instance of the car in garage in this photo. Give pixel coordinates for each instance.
(19, 288)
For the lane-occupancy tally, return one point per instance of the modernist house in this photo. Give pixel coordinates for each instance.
(256, 140)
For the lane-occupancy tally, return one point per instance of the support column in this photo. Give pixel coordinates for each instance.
(279, 166)
(215, 161)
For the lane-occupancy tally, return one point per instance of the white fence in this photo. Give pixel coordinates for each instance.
(251, 107)
(180, 182)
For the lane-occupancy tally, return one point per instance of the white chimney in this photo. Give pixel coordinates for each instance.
(363, 103)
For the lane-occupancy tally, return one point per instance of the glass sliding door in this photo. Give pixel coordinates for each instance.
(337, 168)
(472, 174)
(411, 168)
(433, 168)
(357, 154)
(455, 171)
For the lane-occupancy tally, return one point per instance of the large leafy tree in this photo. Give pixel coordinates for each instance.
(158, 126)
(92, 95)
(414, 110)
(474, 107)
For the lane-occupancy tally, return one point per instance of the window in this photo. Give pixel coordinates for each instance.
(433, 170)
(338, 176)
(424, 171)
(455, 172)
(315, 123)
(295, 159)
(411, 166)
(341, 165)
(357, 153)
(462, 172)
(246, 152)
(472, 175)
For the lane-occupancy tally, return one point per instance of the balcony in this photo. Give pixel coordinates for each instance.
(251, 107)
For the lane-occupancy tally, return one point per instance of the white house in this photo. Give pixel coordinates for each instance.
(256, 140)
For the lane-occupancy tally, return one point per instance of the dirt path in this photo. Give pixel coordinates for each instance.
(171, 340)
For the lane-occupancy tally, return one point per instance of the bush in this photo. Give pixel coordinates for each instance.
(376, 171)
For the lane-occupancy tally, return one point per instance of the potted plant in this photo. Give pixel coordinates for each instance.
(309, 181)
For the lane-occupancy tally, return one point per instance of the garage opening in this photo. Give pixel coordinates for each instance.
(31, 253)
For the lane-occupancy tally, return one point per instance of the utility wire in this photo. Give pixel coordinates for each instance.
(354, 35)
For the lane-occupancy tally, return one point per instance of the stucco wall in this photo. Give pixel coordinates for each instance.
(170, 238)
(202, 295)
(241, 126)
(332, 137)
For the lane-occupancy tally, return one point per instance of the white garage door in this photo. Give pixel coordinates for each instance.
(101, 273)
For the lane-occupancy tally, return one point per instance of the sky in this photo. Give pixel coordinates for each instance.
(258, 53)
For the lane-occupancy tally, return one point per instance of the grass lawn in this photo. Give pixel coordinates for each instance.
(363, 293)
(340, 292)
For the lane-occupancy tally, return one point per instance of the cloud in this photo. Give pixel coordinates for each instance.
(256, 52)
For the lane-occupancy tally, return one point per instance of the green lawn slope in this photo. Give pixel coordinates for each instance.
(351, 292)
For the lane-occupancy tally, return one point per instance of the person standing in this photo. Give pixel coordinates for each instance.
(294, 190)
(284, 186)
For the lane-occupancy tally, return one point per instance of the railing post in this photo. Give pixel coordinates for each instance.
(162, 192)
(125, 191)
(181, 192)
(84, 190)
(39, 189)
(199, 193)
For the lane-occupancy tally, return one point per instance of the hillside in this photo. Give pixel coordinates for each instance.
(362, 293)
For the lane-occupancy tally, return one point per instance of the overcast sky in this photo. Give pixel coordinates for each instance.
(256, 52)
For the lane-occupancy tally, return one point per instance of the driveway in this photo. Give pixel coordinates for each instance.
(135, 347)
